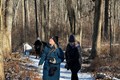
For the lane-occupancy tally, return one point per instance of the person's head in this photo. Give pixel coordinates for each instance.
(26, 42)
(71, 39)
(54, 41)
(38, 38)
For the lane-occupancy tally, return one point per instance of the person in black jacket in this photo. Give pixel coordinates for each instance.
(37, 46)
(73, 57)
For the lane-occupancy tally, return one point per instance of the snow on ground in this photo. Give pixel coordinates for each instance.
(64, 73)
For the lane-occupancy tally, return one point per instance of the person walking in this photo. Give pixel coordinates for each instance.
(73, 57)
(52, 56)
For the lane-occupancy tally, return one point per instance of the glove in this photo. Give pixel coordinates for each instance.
(39, 68)
(52, 60)
(66, 66)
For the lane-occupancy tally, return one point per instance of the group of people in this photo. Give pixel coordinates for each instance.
(52, 56)
(27, 48)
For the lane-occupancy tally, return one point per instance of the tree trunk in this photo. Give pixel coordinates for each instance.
(115, 21)
(28, 13)
(42, 20)
(24, 20)
(81, 28)
(71, 16)
(110, 31)
(36, 21)
(1, 44)
(106, 19)
(5, 32)
(96, 42)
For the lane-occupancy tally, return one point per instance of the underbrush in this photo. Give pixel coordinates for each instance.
(107, 62)
(15, 68)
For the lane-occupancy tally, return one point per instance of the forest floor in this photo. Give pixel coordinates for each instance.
(18, 67)
(106, 66)
(23, 68)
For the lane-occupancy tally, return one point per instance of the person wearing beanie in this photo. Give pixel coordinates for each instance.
(55, 39)
(52, 56)
(71, 38)
(73, 57)
(37, 47)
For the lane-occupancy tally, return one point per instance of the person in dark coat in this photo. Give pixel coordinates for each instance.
(73, 57)
(52, 56)
(37, 47)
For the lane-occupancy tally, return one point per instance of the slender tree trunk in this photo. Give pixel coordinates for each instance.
(42, 20)
(110, 30)
(81, 28)
(96, 43)
(114, 24)
(49, 22)
(47, 19)
(15, 12)
(81, 31)
(106, 19)
(36, 24)
(2, 76)
(24, 20)
(71, 16)
(28, 12)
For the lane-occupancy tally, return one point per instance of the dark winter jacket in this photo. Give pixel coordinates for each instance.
(37, 45)
(46, 55)
(73, 57)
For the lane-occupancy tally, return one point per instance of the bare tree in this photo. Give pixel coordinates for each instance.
(96, 43)
(42, 6)
(36, 24)
(5, 32)
(71, 16)
(24, 20)
(110, 33)
(106, 19)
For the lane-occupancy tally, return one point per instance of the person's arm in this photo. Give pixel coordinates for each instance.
(66, 54)
(60, 55)
(24, 47)
(43, 56)
(80, 54)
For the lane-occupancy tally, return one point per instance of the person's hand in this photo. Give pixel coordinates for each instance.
(52, 60)
(66, 66)
(39, 68)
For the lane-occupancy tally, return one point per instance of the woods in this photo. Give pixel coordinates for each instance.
(95, 23)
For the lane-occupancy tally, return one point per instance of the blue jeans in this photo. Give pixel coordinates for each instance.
(27, 52)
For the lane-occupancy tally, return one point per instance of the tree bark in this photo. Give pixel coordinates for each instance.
(42, 20)
(106, 19)
(81, 28)
(96, 40)
(110, 35)
(24, 21)
(5, 32)
(2, 76)
(36, 20)
(115, 21)
(71, 16)
(28, 13)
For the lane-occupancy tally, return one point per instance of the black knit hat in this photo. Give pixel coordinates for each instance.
(55, 38)
(71, 38)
